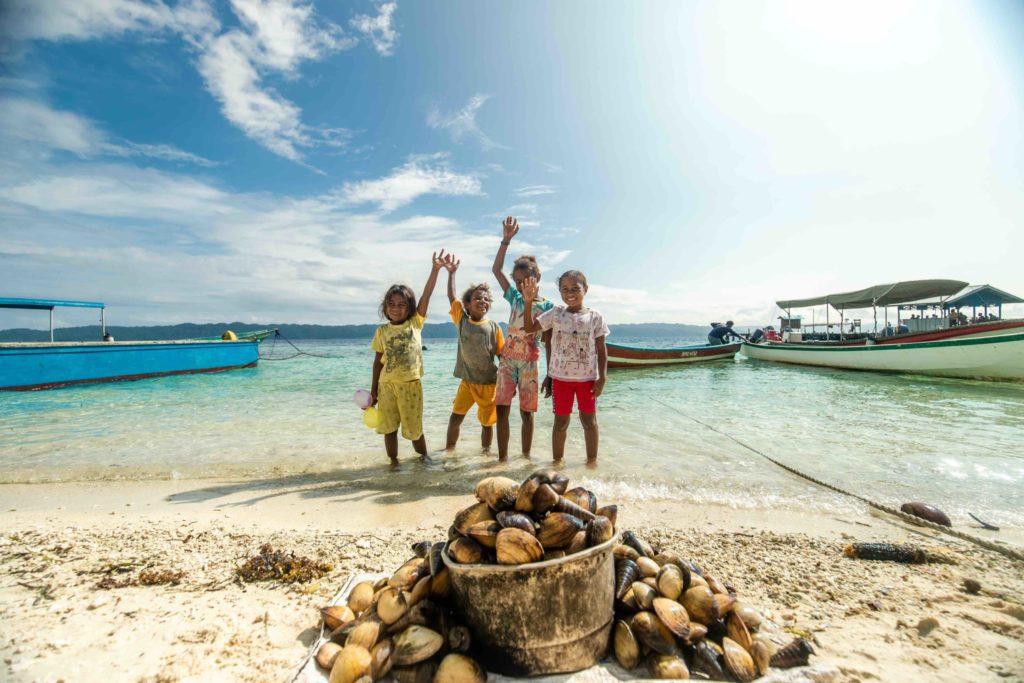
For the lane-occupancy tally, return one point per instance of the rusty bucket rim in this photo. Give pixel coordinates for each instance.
(530, 566)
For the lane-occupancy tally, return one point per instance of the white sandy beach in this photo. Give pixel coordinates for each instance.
(57, 541)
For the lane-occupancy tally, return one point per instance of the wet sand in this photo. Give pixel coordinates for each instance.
(869, 620)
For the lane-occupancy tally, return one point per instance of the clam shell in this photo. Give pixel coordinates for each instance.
(498, 492)
(422, 548)
(416, 644)
(599, 530)
(621, 552)
(644, 595)
(511, 518)
(673, 615)
(515, 546)
(736, 630)
(480, 512)
(326, 655)
(350, 664)
(544, 498)
(392, 605)
(724, 601)
(409, 573)
(578, 543)
(635, 542)
(762, 656)
(420, 614)
(558, 529)
(336, 615)
(484, 533)
(626, 647)
(628, 602)
(706, 661)
(524, 497)
(697, 632)
(715, 585)
(750, 616)
(670, 581)
(380, 658)
(457, 668)
(465, 551)
(421, 590)
(582, 497)
(553, 478)
(738, 661)
(649, 630)
(459, 639)
(667, 667)
(626, 572)
(360, 597)
(440, 583)
(648, 567)
(609, 511)
(697, 580)
(434, 562)
(366, 634)
(420, 673)
(553, 554)
(700, 604)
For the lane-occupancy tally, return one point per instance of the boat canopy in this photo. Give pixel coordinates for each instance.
(47, 304)
(982, 295)
(881, 295)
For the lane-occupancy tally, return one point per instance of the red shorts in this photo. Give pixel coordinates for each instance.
(563, 392)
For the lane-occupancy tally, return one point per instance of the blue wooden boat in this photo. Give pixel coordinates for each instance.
(47, 365)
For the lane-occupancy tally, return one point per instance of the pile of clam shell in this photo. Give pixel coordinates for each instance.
(540, 519)
(400, 628)
(676, 619)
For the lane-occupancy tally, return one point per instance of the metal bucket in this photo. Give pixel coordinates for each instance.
(540, 618)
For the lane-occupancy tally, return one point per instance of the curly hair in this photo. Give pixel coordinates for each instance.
(527, 263)
(575, 275)
(467, 296)
(401, 290)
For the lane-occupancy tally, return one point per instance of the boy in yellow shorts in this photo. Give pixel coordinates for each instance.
(480, 342)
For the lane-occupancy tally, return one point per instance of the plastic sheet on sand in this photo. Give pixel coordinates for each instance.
(307, 670)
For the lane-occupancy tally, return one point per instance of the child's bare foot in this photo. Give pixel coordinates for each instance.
(592, 463)
(394, 464)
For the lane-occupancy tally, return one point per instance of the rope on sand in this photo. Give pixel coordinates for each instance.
(977, 540)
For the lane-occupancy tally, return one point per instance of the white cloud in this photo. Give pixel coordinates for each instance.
(30, 121)
(409, 182)
(163, 247)
(462, 124)
(379, 29)
(86, 19)
(535, 190)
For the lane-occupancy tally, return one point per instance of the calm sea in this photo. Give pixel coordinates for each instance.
(957, 444)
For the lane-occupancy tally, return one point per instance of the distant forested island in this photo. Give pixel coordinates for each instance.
(293, 331)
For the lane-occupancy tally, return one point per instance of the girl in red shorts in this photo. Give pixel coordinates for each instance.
(579, 358)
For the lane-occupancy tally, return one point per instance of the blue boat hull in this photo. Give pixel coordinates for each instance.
(46, 366)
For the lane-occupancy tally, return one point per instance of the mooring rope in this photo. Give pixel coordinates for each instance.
(298, 351)
(977, 540)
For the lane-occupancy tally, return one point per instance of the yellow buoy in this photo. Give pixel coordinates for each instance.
(229, 336)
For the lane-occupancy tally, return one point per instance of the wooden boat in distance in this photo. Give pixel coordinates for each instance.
(621, 356)
(998, 357)
(47, 365)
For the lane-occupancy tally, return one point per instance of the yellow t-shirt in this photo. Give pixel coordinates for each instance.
(401, 349)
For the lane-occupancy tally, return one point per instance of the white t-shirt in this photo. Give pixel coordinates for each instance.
(573, 346)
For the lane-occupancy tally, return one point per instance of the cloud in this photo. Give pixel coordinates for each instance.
(273, 38)
(462, 124)
(88, 19)
(535, 190)
(162, 247)
(408, 182)
(379, 29)
(31, 121)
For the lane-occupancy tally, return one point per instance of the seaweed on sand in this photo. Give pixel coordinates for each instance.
(286, 567)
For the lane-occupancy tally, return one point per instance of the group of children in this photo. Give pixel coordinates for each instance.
(573, 336)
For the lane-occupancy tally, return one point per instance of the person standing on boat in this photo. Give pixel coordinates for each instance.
(718, 335)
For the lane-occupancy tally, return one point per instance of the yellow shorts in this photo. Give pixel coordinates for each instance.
(400, 403)
(480, 394)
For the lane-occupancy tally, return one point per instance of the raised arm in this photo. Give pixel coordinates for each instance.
(508, 230)
(451, 265)
(530, 326)
(437, 262)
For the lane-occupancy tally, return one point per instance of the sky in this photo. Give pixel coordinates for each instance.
(274, 161)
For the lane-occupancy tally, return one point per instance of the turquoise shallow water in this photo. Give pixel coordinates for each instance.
(957, 444)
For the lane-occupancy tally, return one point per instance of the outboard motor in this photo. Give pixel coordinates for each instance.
(757, 337)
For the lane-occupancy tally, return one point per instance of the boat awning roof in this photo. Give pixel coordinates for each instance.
(47, 304)
(983, 295)
(881, 295)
